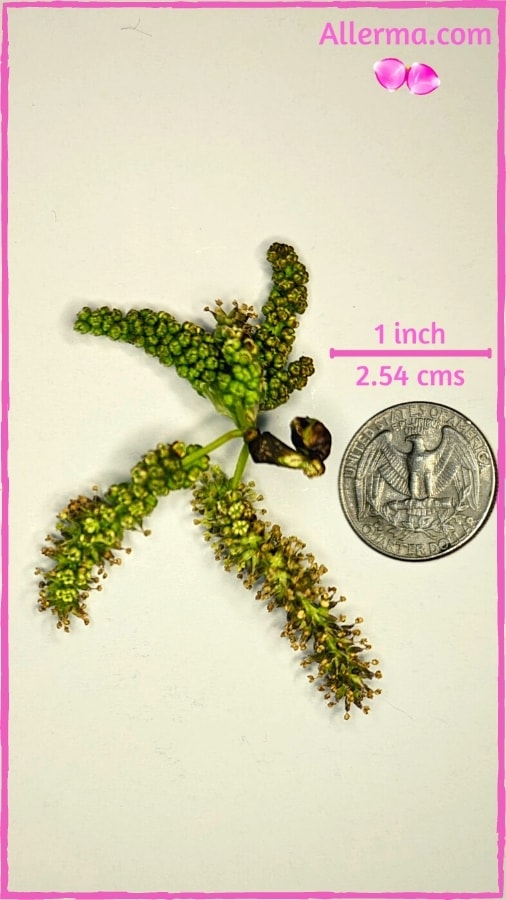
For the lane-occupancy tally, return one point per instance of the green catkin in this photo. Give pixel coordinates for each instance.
(186, 346)
(276, 334)
(287, 578)
(90, 530)
(242, 365)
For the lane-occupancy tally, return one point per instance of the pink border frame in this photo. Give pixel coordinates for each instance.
(500, 6)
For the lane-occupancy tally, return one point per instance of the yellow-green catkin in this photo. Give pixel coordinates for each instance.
(90, 530)
(287, 578)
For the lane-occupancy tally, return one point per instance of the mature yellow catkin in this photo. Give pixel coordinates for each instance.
(287, 577)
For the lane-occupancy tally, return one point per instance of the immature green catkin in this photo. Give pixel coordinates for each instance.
(240, 366)
(90, 529)
(184, 345)
(287, 578)
(276, 334)
(237, 387)
(222, 365)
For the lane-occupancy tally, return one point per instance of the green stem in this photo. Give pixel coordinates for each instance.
(240, 465)
(189, 460)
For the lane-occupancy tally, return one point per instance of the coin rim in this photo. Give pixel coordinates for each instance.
(449, 550)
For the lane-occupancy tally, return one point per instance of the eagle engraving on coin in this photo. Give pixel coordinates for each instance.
(421, 475)
(417, 481)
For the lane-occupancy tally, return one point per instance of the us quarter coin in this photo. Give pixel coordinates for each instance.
(417, 481)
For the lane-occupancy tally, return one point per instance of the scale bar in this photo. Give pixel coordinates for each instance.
(487, 352)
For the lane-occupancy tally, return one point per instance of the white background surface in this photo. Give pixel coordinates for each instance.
(175, 744)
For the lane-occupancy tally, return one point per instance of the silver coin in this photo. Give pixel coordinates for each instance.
(417, 481)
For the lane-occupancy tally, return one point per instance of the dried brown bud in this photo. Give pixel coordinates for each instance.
(267, 448)
(311, 437)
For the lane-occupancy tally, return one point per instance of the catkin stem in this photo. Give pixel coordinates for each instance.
(189, 460)
(240, 465)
